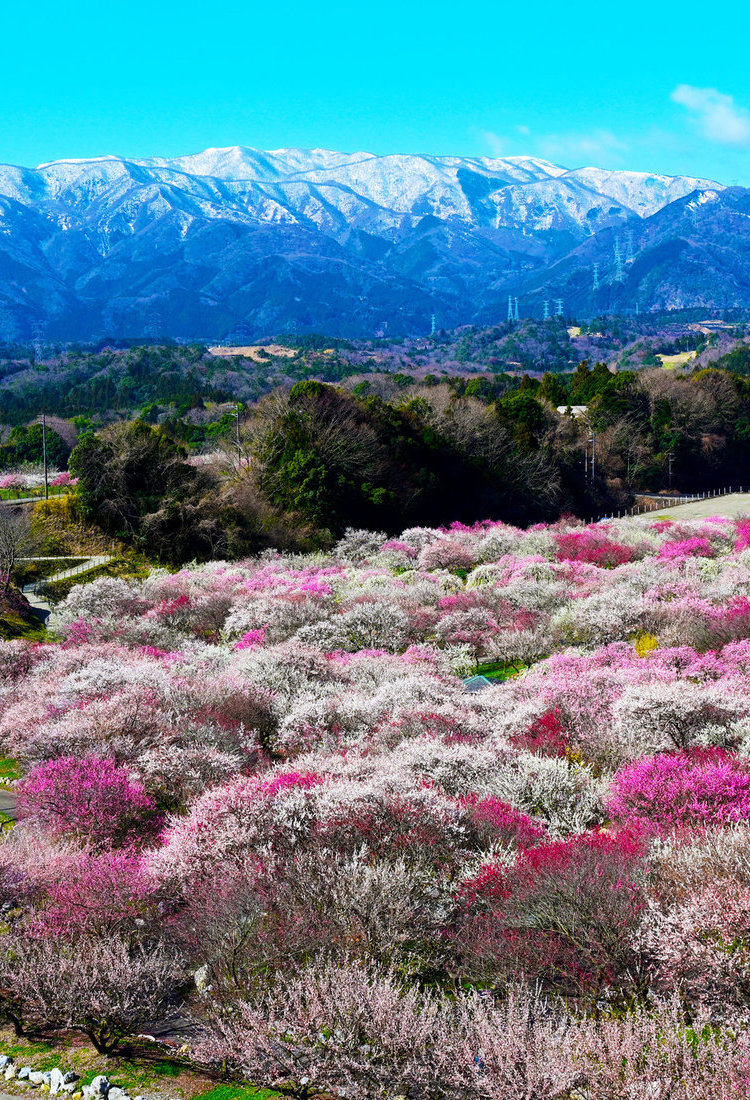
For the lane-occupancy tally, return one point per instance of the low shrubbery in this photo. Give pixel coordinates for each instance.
(261, 793)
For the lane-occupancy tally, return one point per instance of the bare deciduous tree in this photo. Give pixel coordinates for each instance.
(14, 535)
(107, 989)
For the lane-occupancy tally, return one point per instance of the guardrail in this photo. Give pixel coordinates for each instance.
(65, 574)
(658, 504)
(28, 496)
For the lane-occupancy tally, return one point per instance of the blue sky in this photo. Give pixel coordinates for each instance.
(636, 86)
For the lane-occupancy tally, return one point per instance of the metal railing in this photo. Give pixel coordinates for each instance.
(658, 504)
(84, 567)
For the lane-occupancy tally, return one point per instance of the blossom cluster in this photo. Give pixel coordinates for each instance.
(276, 771)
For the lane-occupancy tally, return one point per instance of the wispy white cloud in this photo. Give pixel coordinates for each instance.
(716, 115)
(575, 148)
(570, 149)
(496, 145)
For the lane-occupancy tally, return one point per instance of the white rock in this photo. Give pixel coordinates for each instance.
(200, 977)
(56, 1081)
(35, 1077)
(10, 1072)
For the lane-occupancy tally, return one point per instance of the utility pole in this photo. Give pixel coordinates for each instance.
(44, 454)
(239, 445)
(670, 456)
(592, 440)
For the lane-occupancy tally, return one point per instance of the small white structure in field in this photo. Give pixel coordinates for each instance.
(574, 410)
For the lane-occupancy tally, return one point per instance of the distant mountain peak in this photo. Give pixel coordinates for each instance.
(196, 245)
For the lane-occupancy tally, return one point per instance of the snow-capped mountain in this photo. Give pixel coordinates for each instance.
(199, 245)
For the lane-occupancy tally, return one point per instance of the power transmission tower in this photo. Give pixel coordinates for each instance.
(510, 308)
(619, 270)
(154, 326)
(432, 326)
(546, 309)
(596, 276)
(630, 254)
(558, 307)
(515, 310)
(37, 332)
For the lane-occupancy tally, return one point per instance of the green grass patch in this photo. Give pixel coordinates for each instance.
(27, 572)
(9, 768)
(132, 567)
(18, 621)
(496, 670)
(237, 1092)
(166, 1069)
(37, 491)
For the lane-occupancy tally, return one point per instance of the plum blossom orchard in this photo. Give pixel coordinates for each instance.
(261, 791)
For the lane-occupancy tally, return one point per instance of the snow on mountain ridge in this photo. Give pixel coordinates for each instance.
(536, 191)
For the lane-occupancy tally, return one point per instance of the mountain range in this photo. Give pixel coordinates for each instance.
(247, 244)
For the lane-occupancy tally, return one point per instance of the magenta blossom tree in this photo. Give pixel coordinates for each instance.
(91, 799)
(696, 787)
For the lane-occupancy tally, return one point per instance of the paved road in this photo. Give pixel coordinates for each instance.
(39, 603)
(10, 501)
(8, 800)
(731, 505)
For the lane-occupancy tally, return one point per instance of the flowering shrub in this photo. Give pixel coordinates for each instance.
(594, 547)
(92, 799)
(685, 548)
(273, 774)
(562, 913)
(696, 787)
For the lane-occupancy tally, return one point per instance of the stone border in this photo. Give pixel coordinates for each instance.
(56, 1082)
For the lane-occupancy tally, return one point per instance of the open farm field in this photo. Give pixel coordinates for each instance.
(259, 797)
(680, 359)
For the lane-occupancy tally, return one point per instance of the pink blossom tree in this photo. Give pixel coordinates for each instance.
(92, 799)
